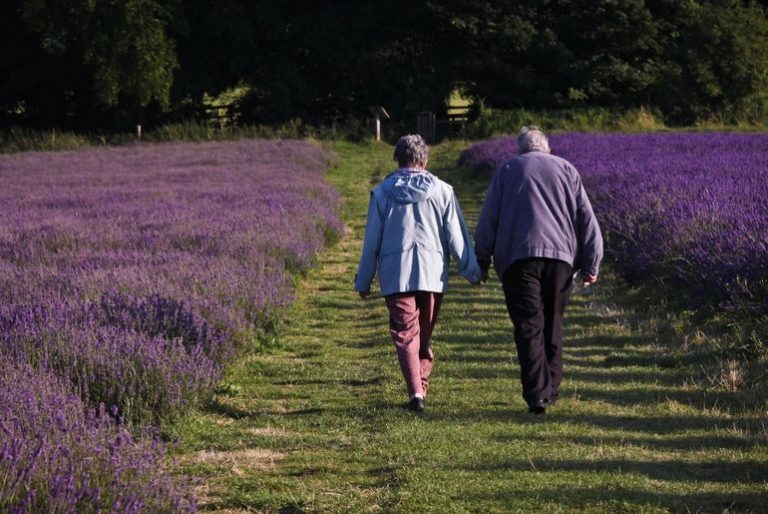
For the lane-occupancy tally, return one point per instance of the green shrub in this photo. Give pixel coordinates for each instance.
(490, 122)
(23, 140)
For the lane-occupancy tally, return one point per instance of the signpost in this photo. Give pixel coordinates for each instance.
(378, 112)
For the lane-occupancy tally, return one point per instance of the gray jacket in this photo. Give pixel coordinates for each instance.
(414, 226)
(536, 206)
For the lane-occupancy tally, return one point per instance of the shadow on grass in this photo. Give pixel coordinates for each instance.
(684, 442)
(331, 381)
(588, 320)
(607, 358)
(662, 425)
(237, 505)
(226, 410)
(651, 377)
(491, 358)
(673, 471)
(473, 341)
(497, 372)
(306, 412)
(582, 499)
(659, 425)
(700, 399)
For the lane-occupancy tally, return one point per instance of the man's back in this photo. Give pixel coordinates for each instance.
(537, 207)
(540, 205)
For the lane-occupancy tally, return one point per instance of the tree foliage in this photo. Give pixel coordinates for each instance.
(103, 63)
(78, 62)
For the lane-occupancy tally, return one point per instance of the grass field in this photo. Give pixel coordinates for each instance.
(316, 424)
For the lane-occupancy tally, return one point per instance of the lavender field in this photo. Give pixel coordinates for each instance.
(128, 277)
(686, 209)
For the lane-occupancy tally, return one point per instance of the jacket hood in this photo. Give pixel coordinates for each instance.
(409, 186)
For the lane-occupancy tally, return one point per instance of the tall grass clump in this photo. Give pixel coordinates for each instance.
(490, 122)
(24, 140)
(202, 130)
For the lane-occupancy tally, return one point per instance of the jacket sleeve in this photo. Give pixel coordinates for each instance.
(459, 242)
(485, 232)
(374, 229)
(590, 239)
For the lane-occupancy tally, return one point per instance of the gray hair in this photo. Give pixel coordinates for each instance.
(532, 139)
(411, 149)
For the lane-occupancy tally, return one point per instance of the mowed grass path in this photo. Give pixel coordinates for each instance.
(317, 424)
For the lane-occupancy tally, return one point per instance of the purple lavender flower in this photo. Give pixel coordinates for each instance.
(130, 274)
(64, 457)
(688, 208)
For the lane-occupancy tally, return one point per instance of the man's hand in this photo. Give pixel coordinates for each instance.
(365, 294)
(587, 280)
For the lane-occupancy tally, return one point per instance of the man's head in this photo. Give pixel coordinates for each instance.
(411, 151)
(532, 139)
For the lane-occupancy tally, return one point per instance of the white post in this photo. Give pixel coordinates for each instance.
(378, 129)
(138, 131)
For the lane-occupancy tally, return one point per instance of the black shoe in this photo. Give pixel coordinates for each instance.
(416, 405)
(538, 407)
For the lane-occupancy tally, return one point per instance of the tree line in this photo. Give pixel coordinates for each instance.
(86, 64)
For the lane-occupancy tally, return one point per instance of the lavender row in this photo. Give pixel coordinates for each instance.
(684, 208)
(139, 255)
(127, 276)
(57, 455)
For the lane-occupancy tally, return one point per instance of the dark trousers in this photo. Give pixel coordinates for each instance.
(536, 292)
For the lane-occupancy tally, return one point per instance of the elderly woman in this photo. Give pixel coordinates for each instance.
(414, 226)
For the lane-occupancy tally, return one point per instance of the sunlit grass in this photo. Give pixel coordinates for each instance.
(631, 433)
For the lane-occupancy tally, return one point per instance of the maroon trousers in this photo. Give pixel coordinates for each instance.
(412, 317)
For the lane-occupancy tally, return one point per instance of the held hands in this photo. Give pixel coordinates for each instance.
(482, 278)
(586, 280)
(485, 266)
(478, 277)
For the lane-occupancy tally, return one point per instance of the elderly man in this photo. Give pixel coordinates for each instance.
(538, 227)
(414, 226)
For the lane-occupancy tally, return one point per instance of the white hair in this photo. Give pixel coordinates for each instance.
(411, 149)
(532, 139)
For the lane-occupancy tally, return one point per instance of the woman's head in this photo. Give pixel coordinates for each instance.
(411, 151)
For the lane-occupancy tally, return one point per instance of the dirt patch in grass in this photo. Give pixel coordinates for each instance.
(268, 432)
(237, 460)
(209, 500)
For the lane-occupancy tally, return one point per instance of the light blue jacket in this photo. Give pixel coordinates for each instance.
(414, 225)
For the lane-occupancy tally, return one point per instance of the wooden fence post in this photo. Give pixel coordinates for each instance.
(425, 122)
